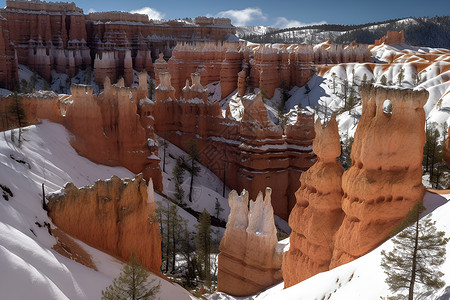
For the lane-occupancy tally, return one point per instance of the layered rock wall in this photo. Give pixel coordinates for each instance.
(114, 216)
(111, 132)
(250, 153)
(47, 35)
(248, 260)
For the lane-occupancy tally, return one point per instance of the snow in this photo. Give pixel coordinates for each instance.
(362, 278)
(30, 268)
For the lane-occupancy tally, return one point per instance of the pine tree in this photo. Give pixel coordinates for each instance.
(132, 284)
(400, 76)
(17, 114)
(178, 177)
(171, 229)
(418, 252)
(193, 168)
(217, 208)
(203, 245)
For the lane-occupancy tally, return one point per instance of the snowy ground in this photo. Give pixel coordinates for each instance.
(30, 268)
(363, 278)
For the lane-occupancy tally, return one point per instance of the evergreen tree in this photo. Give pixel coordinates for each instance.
(217, 208)
(187, 249)
(132, 284)
(178, 177)
(17, 115)
(171, 230)
(383, 80)
(193, 167)
(203, 245)
(400, 76)
(418, 252)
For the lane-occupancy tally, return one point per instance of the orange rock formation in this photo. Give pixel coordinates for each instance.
(47, 35)
(114, 216)
(378, 190)
(252, 151)
(317, 214)
(385, 179)
(242, 271)
(392, 38)
(113, 128)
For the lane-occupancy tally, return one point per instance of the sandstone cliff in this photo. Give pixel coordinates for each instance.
(111, 132)
(114, 216)
(317, 214)
(248, 262)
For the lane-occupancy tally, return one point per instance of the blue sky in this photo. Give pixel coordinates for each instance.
(286, 13)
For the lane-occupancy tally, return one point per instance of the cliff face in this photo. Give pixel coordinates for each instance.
(111, 132)
(317, 214)
(250, 153)
(47, 35)
(248, 262)
(385, 179)
(114, 216)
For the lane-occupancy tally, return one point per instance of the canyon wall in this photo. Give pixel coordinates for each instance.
(249, 153)
(57, 35)
(248, 260)
(114, 216)
(317, 214)
(339, 216)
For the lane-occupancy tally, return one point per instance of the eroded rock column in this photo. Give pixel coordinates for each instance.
(317, 214)
(385, 179)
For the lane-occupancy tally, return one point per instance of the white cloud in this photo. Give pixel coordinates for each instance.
(91, 10)
(151, 12)
(244, 16)
(285, 23)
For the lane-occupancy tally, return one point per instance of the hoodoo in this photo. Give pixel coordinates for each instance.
(385, 179)
(317, 214)
(248, 260)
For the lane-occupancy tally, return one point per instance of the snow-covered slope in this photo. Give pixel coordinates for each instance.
(363, 278)
(30, 269)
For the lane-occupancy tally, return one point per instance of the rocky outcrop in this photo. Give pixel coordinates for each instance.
(114, 216)
(385, 179)
(248, 260)
(317, 214)
(392, 38)
(111, 132)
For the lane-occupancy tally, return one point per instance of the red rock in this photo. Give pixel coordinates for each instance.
(392, 38)
(385, 179)
(252, 151)
(113, 216)
(317, 214)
